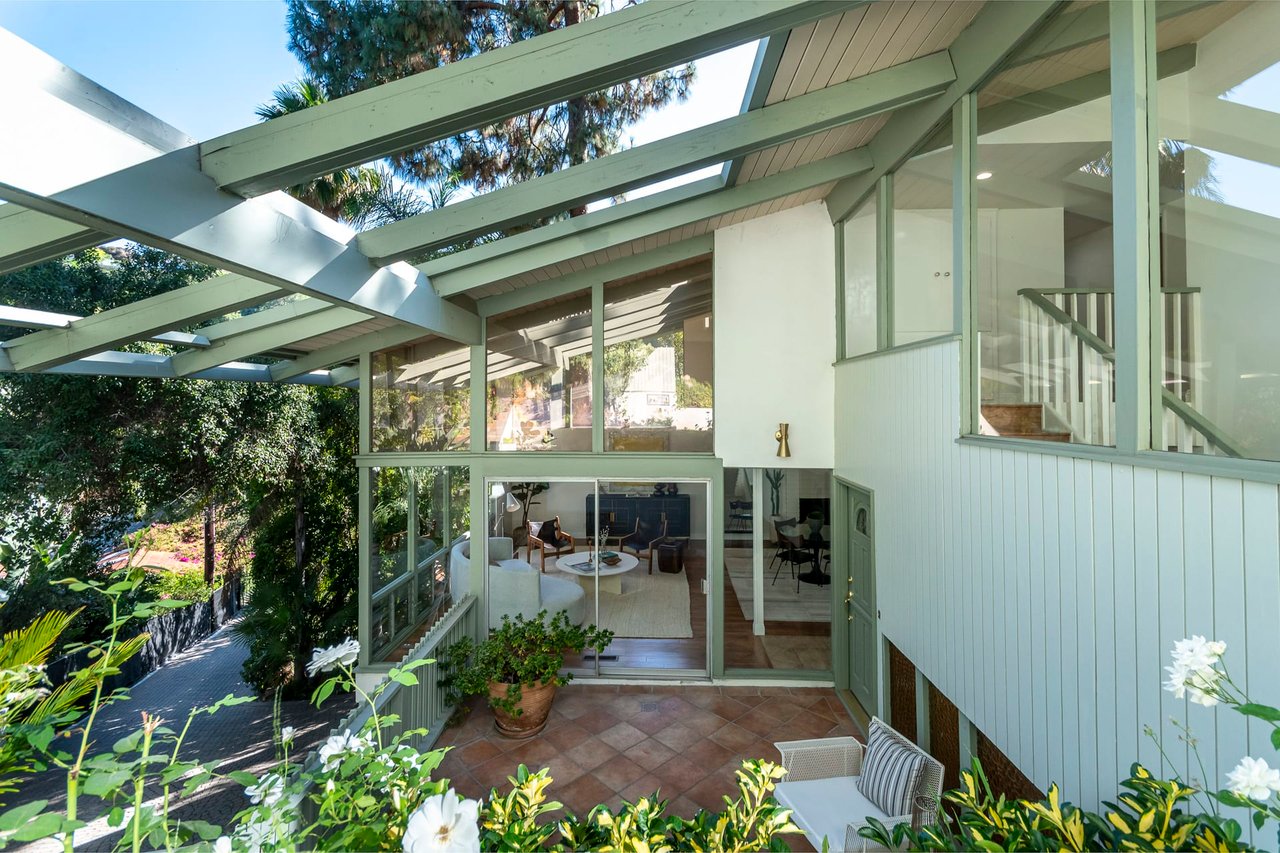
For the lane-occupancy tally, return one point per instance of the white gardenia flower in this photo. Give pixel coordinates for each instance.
(268, 791)
(1196, 652)
(444, 823)
(1193, 670)
(1254, 780)
(337, 746)
(287, 734)
(323, 660)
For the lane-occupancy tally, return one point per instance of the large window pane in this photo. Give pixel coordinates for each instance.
(539, 373)
(421, 397)
(860, 271)
(923, 298)
(1043, 271)
(658, 363)
(1219, 176)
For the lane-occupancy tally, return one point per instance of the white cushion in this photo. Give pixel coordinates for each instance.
(824, 808)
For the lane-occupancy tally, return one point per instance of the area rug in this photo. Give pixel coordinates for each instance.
(781, 601)
(651, 606)
(797, 652)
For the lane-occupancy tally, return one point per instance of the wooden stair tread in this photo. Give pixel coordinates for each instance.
(1064, 437)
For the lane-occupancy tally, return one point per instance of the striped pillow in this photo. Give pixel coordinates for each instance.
(890, 771)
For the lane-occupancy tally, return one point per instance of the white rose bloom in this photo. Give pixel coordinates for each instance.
(444, 823)
(222, 845)
(1193, 670)
(4, 596)
(287, 734)
(268, 791)
(1254, 780)
(333, 749)
(323, 660)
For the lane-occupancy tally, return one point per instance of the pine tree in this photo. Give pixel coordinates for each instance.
(351, 45)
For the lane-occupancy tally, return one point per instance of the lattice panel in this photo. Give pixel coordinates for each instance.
(902, 693)
(1004, 776)
(944, 736)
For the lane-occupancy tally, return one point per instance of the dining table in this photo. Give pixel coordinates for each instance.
(817, 540)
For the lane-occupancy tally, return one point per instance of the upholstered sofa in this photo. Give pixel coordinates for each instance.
(514, 585)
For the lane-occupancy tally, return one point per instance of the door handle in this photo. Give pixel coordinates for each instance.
(848, 599)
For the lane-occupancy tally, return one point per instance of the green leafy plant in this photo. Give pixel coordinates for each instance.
(775, 477)
(522, 652)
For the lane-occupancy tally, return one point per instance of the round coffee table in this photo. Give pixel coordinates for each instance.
(583, 568)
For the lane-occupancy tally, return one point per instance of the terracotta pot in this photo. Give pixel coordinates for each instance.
(534, 705)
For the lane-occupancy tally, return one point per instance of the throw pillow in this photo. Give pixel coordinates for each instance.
(890, 771)
(548, 533)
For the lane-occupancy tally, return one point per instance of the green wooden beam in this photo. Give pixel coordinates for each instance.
(345, 351)
(997, 31)
(265, 339)
(964, 120)
(136, 321)
(673, 253)
(566, 227)
(1088, 26)
(619, 233)
(28, 237)
(764, 68)
(494, 86)
(288, 310)
(685, 152)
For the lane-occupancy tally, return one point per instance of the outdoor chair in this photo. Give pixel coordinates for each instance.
(645, 539)
(834, 784)
(546, 536)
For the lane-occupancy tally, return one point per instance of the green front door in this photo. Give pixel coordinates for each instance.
(860, 599)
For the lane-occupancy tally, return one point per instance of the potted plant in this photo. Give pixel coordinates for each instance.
(518, 668)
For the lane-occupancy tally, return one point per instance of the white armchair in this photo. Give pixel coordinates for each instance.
(514, 585)
(821, 789)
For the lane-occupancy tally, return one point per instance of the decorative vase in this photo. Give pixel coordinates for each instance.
(534, 707)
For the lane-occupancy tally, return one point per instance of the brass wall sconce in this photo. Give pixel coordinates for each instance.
(781, 436)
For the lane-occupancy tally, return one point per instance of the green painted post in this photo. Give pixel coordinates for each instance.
(884, 262)
(964, 122)
(841, 320)
(364, 539)
(479, 398)
(1135, 208)
(597, 367)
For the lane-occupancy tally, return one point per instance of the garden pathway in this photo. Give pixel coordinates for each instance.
(240, 736)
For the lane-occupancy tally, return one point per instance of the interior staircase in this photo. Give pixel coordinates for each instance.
(1020, 420)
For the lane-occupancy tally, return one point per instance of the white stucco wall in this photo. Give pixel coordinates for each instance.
(776, 338)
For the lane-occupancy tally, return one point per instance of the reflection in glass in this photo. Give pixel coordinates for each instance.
(1044, 264)
(1219, 177)
(860, 273)
(421, 397)
(923, 292)
(658, 341)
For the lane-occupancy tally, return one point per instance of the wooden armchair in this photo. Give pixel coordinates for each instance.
(643, 541)
(546, 536)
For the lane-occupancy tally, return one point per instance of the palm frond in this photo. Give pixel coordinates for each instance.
(32, 645)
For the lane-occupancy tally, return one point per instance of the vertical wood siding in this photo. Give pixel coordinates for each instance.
(1042, 593)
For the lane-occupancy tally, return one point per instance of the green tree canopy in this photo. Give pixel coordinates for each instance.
(350, 45)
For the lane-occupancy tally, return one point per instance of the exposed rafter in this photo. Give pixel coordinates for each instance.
(976, 53)
(344, 351)
(460, 96)
(137, 321)
(280, 334)
(673, 253)
(717, 142)
(25, 318)
(167, 203)
(148, 366)
(763, 70)
(675, 216)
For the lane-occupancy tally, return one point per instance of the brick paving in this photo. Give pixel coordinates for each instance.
(607, 744)
(240, 736)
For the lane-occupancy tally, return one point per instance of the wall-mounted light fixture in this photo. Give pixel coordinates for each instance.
(781, 436)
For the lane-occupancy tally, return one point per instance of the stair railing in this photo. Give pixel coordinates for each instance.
(1069, 349)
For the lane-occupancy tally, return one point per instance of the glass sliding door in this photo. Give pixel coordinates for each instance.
(629, 556)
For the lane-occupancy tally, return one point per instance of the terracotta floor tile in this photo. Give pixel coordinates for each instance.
(679, 775)
(652, 722)
(583, 794)
(466, 785)
(678, 736)
(804, 725)
(591, 753)
(708, 753)
(701, 696)
(734, 737)
(650, 753)
(567, 736)
(759, 723)
(563, 770)
(710, 792)
(682, 806)
(779, 708)
(477, 752)
(645, 786)
(533, 753)
(622, 736)
(494, 772)
(619, 772)
(597, 721)
(704, 723)
(674, 705)
(635, 688)
(728, 708)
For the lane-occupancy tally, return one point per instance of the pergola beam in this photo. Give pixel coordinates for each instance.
(344, 351)
(494, 86)
(622, 268)
(166, 202)
(267, 338)
(994, 34)
(685, 152)
(136, 321)
(26, 318)
(624, 231)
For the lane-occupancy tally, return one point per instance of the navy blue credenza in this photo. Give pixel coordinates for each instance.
(621, 511)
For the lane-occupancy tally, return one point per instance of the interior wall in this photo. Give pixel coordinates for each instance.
(775, 287)
(1043, 593)
(568, 500)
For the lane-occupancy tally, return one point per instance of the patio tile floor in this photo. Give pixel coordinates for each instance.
(606, 744)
